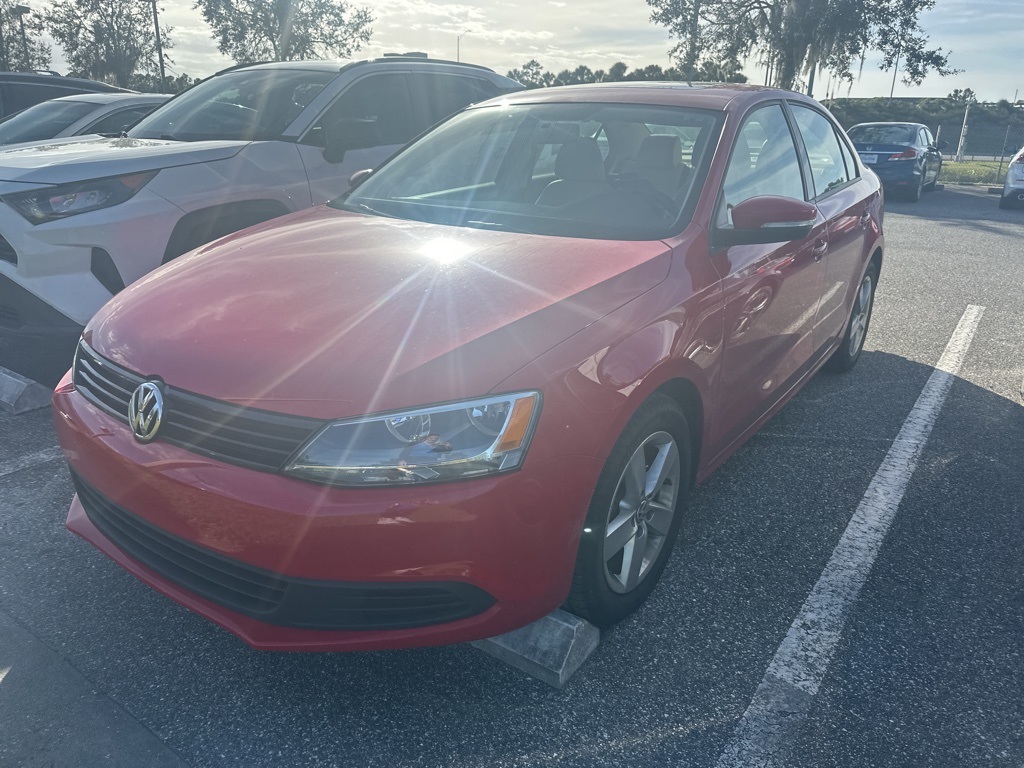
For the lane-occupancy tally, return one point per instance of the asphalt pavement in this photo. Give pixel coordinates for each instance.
(926, 670)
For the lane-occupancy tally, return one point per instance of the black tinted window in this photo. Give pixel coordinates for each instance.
(19, 96)
(382, 100)
(443, 95)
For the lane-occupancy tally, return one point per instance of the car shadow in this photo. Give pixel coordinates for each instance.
(959, 206)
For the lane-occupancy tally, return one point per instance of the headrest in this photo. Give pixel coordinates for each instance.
(661, 150)
(580, 160)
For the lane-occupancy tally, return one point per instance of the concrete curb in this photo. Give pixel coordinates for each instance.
(19, 394)
(550, 649)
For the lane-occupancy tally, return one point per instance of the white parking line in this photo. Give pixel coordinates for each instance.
(783, 698)
(31, 460)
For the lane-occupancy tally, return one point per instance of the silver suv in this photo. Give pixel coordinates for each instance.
(81, 218)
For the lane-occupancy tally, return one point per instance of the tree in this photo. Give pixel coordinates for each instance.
(110, 40)
(963, 97)
(794, 37)
(285, 30)
(12, 49)
(531, 74)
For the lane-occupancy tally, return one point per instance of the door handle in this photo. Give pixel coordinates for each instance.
(819, 249)
(865, 218)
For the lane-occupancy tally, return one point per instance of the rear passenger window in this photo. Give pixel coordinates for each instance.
(763, 162)
(851, 163)
(381, 99)
(823, 149)
(444, 95)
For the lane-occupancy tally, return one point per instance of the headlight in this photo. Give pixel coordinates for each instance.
(42, 205)
(433, 444)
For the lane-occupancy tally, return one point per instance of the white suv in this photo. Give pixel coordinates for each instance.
(82, 218)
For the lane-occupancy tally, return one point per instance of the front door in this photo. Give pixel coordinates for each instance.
(771, 292)
(382, 99)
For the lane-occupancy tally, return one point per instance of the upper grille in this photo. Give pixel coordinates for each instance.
(275, 598)
(249, 437)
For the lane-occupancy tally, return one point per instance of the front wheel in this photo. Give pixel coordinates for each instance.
(634, 515)
(844, 358)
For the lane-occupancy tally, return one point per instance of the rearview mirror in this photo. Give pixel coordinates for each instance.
(940, 145)
(767, 219)
(342, 135)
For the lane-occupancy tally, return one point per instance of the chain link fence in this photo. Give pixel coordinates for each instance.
(979, 153)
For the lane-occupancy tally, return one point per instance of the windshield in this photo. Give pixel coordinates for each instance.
(609, 171)
(883, 134)
(43, 121)
(248, 105)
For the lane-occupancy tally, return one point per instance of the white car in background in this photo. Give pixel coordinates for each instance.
(1013, 187)
(86, 113)
(81, 218)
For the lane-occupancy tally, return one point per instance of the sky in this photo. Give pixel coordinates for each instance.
(985, 38)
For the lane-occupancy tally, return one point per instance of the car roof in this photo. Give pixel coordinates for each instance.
(717, 96)
(52, 78)
(109, 98)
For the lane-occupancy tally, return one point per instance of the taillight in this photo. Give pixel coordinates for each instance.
(907, 154)
(1019, 159)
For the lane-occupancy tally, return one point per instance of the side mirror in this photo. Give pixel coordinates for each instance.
(359, 177)
(940, 145)
(342, 135)
(767, 219)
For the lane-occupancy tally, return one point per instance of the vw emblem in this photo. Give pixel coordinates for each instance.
(145, 411)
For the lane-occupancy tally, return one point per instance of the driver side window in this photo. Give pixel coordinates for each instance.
(383, 100)
(763, 162)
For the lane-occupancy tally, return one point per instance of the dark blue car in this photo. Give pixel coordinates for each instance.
(904, 155)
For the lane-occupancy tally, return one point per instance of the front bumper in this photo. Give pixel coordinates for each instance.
(500, 549)
(74, 266)
(23, 315)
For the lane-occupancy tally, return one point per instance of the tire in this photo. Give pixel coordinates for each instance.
(934, 183)
(844, 358)
(1011, 202)
(622, 517)
(914, 194)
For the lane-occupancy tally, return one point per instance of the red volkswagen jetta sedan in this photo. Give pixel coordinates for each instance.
(481, 384)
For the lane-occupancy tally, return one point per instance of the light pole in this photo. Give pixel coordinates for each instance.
(159, 49)
(20, 11)
(458, 45)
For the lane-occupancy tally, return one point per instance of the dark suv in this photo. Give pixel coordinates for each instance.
(21, 90)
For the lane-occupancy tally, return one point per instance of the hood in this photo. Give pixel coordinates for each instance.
(88, 157)
(331, 314)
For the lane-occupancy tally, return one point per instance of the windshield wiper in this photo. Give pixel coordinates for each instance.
(477, 224)
(367, 209)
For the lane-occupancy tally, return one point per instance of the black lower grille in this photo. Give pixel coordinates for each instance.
(249, 437)
(274, 598)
